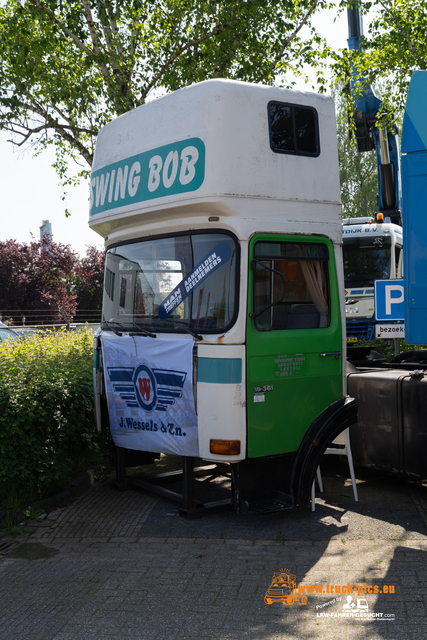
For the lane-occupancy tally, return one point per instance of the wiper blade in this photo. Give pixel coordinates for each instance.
(182, 324)
(123, 326)
(358, 283)
(143, 332)
(106, 324)
(193, 332)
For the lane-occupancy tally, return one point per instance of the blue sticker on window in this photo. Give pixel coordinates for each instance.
(201, 271)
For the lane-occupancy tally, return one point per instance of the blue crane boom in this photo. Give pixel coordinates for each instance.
(372, 130)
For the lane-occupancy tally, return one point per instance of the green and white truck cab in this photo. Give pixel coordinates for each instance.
(220, 209)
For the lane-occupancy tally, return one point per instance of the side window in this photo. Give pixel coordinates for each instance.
(294, 129)
(291, 286)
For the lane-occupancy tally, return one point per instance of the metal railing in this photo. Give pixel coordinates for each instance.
(47, 317)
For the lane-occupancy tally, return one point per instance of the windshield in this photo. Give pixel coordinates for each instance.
(366, 260)
(172, 284)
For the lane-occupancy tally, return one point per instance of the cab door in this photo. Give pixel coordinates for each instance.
(294, 339)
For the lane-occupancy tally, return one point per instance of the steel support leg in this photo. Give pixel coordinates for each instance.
(188, 483)
(235, 487)
(121, 468)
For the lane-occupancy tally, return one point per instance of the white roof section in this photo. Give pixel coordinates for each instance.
(206, 148)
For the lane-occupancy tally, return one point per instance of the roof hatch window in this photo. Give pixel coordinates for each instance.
(293, 129)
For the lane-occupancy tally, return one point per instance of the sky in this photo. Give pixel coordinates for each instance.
(30, 191)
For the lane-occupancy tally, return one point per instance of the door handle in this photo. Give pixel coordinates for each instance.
(337, 354)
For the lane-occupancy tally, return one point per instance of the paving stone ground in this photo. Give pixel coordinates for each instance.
(125, 565)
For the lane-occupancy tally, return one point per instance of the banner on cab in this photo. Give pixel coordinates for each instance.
(149, 383)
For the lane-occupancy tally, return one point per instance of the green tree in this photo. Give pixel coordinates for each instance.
(69, 66)
(394, 45)
(89, 278)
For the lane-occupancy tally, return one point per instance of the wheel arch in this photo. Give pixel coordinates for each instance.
(326, 427)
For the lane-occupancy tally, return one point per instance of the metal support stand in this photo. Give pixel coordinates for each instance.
(396, 347)
(189, 506)
(121, 469)
(188, 483)
(235, 487)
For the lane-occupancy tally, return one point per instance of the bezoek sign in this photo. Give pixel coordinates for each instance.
(389, 331)
(169, 170)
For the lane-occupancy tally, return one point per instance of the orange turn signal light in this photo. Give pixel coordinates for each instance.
(225, 447)
(380, 217)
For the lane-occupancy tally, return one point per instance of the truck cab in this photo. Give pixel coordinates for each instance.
(220, 209)
(372, 251)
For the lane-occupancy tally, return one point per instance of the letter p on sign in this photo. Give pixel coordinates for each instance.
(391, 298)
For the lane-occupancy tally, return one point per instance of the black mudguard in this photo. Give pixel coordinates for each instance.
(327, 426)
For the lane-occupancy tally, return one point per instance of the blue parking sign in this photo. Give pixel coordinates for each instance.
(389, 300)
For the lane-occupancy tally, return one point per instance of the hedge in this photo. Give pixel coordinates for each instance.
(46, 403)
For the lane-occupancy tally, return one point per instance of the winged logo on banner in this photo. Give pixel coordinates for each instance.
(150, 389)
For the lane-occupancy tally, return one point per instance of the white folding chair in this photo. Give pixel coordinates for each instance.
(343, 448)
